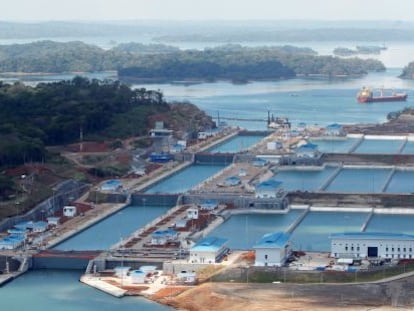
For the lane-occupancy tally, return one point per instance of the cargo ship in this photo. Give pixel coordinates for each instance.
(366, 95)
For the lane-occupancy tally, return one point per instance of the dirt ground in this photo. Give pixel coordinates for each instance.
(396, 295)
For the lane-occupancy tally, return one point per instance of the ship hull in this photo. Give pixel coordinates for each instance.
(396, 98)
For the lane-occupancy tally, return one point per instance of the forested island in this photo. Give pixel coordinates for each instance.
(408, 71)
(158, 62)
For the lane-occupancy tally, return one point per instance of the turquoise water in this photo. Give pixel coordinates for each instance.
(334, 145)
(315, 101)
(401, 181)
(304, 180)
(391, 223)
(408, 148)
(243, 231)
(385, 146)
(359, 180)
(110, 230)
(45, 290)
(236, 144)
(185, 179)
(313, 232)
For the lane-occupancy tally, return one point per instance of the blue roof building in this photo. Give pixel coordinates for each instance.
(273, 249)
(232, 181)
(11, 242)
(307, 150)
(208, 250)
(209, 204)
(376, 245)
(268, 189)
(162, 237)
(334, 129)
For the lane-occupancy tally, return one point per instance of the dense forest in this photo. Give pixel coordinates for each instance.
(242, 63)
(55, 113)
(168, 63)
(408, 72)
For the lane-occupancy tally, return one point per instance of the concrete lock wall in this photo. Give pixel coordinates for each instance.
(65, 192)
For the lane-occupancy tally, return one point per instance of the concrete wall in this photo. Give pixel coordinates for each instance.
(65, 192)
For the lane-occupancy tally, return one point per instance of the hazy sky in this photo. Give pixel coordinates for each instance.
(33, 10)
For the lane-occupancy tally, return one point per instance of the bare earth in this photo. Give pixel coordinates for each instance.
(396, 295)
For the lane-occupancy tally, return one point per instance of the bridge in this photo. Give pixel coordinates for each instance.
(57, 259)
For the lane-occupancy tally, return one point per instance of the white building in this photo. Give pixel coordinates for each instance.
(273, 249)
(268, 189)
(372, 245)
(208, 250)
(192, 213)
(69, 211)
(137, 276)
(162, 237)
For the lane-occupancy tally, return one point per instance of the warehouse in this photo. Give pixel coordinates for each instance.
(372, 245)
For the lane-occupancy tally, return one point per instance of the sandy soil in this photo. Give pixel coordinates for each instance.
(397, 295)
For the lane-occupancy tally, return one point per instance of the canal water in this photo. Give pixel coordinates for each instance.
(243, 231)
(44, 290)
(313, 232)
(401, 182)
(334, 145)
(304, 180)
(112, 229)
(393, 223)
(185, 179)
(359, 180)
(236, 144)
(384, 146)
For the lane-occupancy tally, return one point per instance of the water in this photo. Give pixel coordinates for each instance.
(359, 180)
(391, 223)
(236, 144)
(110, 230)
(243, 231)
(314, 101)
(61, 290)
(408, 148)
(313, 232)
(401, 181)
(385, 146)
(185, 179)
(304, 180)
(334, 145)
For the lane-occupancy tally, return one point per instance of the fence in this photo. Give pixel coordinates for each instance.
(277, 274)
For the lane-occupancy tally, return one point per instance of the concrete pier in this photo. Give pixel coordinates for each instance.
(388, 180)
(330, 179)
(366, 222)
(296, 223)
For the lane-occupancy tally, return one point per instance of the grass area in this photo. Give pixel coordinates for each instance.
(269, 275)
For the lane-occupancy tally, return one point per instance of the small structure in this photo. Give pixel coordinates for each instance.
(161, 157)
(181, 223)
(268, 189)
(18, 232)
(274, 145)
(162, 237)
(148, 269)
(209, 205)
(306, 154)
(192, 213)
(160, 131)
(186, 277)
(39, 226)
(208, 250)
(111, 185)
(121, 272)
(307, 151)
(232, 181)
(272, 249)
(53, 221)
(11, 242)
(259, 162)
(69, 211)
(334, 129)
(177, 148)
(24, 225)
(137, 276)
(374, 245)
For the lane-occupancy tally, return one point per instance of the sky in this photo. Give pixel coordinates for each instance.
(94, 10)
